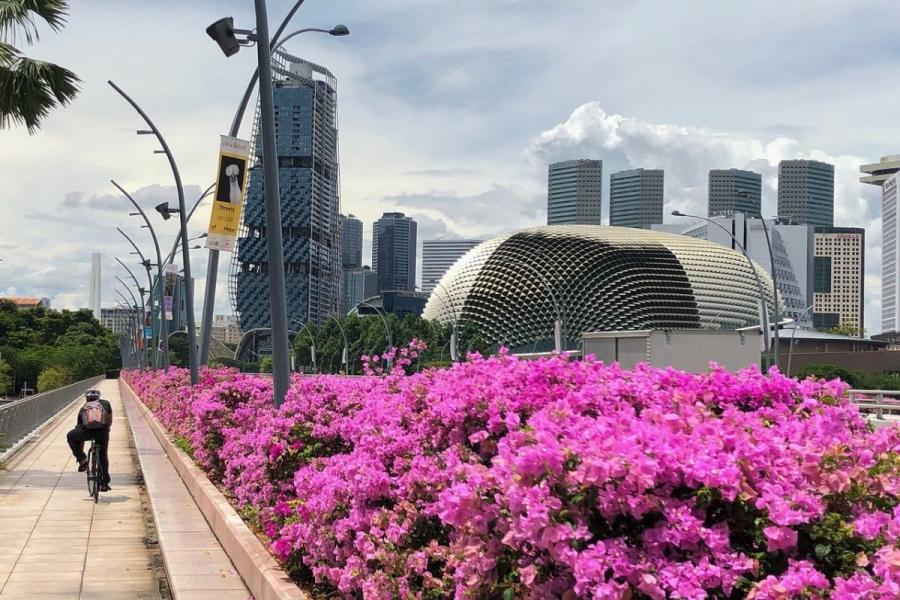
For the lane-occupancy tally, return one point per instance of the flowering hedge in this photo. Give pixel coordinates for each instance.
(501, 478)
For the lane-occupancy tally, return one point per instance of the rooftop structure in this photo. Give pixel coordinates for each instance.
(878, 173)
(27, 302)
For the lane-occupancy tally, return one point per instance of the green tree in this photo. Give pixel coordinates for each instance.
(366, 336)
(265, 364)
(36, 339)
(29, 88)
(178, 351)
(827, 371)
(54, 377)
(6, 380)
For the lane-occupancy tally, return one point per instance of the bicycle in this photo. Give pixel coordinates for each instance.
(94, 471)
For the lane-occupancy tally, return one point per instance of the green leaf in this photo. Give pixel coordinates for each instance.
(30, 89)
(17, 17)
(822, 550)
(509, 594)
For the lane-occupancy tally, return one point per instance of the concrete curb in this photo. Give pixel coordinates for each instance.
(256, 565)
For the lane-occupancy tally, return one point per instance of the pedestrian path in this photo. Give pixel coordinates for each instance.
(55, 542)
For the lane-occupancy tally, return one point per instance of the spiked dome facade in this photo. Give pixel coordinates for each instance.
(603, 278)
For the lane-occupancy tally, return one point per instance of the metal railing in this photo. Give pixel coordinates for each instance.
(883, 405)
(21, 417)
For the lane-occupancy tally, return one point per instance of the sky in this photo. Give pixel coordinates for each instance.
(450, 111)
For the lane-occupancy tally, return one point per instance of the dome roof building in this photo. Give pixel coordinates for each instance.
(511, 288)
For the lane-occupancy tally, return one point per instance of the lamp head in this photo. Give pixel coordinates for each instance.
(222, 33)
(163, 209)
(677, 213)
(339, 30)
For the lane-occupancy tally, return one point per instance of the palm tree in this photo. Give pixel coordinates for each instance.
(30, 89)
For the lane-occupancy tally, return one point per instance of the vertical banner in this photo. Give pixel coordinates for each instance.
(171, 273)
(231, 188)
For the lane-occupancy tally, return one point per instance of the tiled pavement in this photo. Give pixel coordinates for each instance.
(54, 541)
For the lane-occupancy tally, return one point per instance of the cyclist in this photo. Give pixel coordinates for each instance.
(94, 422)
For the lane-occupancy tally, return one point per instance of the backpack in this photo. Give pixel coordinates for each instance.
(94, 415)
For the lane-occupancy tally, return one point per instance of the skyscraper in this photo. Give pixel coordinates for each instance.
(890, 254)
(806, 192)
(734, 191)
(574, 189)
(95, 286)
(636, 198)
(839, 278)
(351, 241)
(394, 252)
(438, 256)
(885, 175)
(306, 126)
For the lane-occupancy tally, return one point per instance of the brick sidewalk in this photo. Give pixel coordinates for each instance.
(56, 543)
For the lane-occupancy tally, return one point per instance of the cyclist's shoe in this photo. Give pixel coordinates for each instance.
(105, 487)
(82, 465)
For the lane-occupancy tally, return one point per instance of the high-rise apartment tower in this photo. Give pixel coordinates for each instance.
(806, 192)
(734, 191)
(574, 189)
(394, 252)
(636, 198)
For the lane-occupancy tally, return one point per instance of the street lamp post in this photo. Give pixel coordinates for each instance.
(387, 329)
(774, 272)
(764, 310)
(559, 324)
(224, 34)
(345, 355)
(454, 333)
(128, 343)
(141, 363)
(182, 213)
(163, 324)
(312, 341)
(154, 334)
(131, 312)
(141, 292)
(793, 333)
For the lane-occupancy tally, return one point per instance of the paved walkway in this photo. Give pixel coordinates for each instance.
(54, 541)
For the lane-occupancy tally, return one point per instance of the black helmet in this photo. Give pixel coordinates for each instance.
(92, 394)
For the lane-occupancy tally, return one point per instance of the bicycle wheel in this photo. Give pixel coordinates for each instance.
(96, 469)
(91, 479)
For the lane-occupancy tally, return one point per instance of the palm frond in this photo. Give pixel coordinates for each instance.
(30, 89)
(8, 54)
(18, 17)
